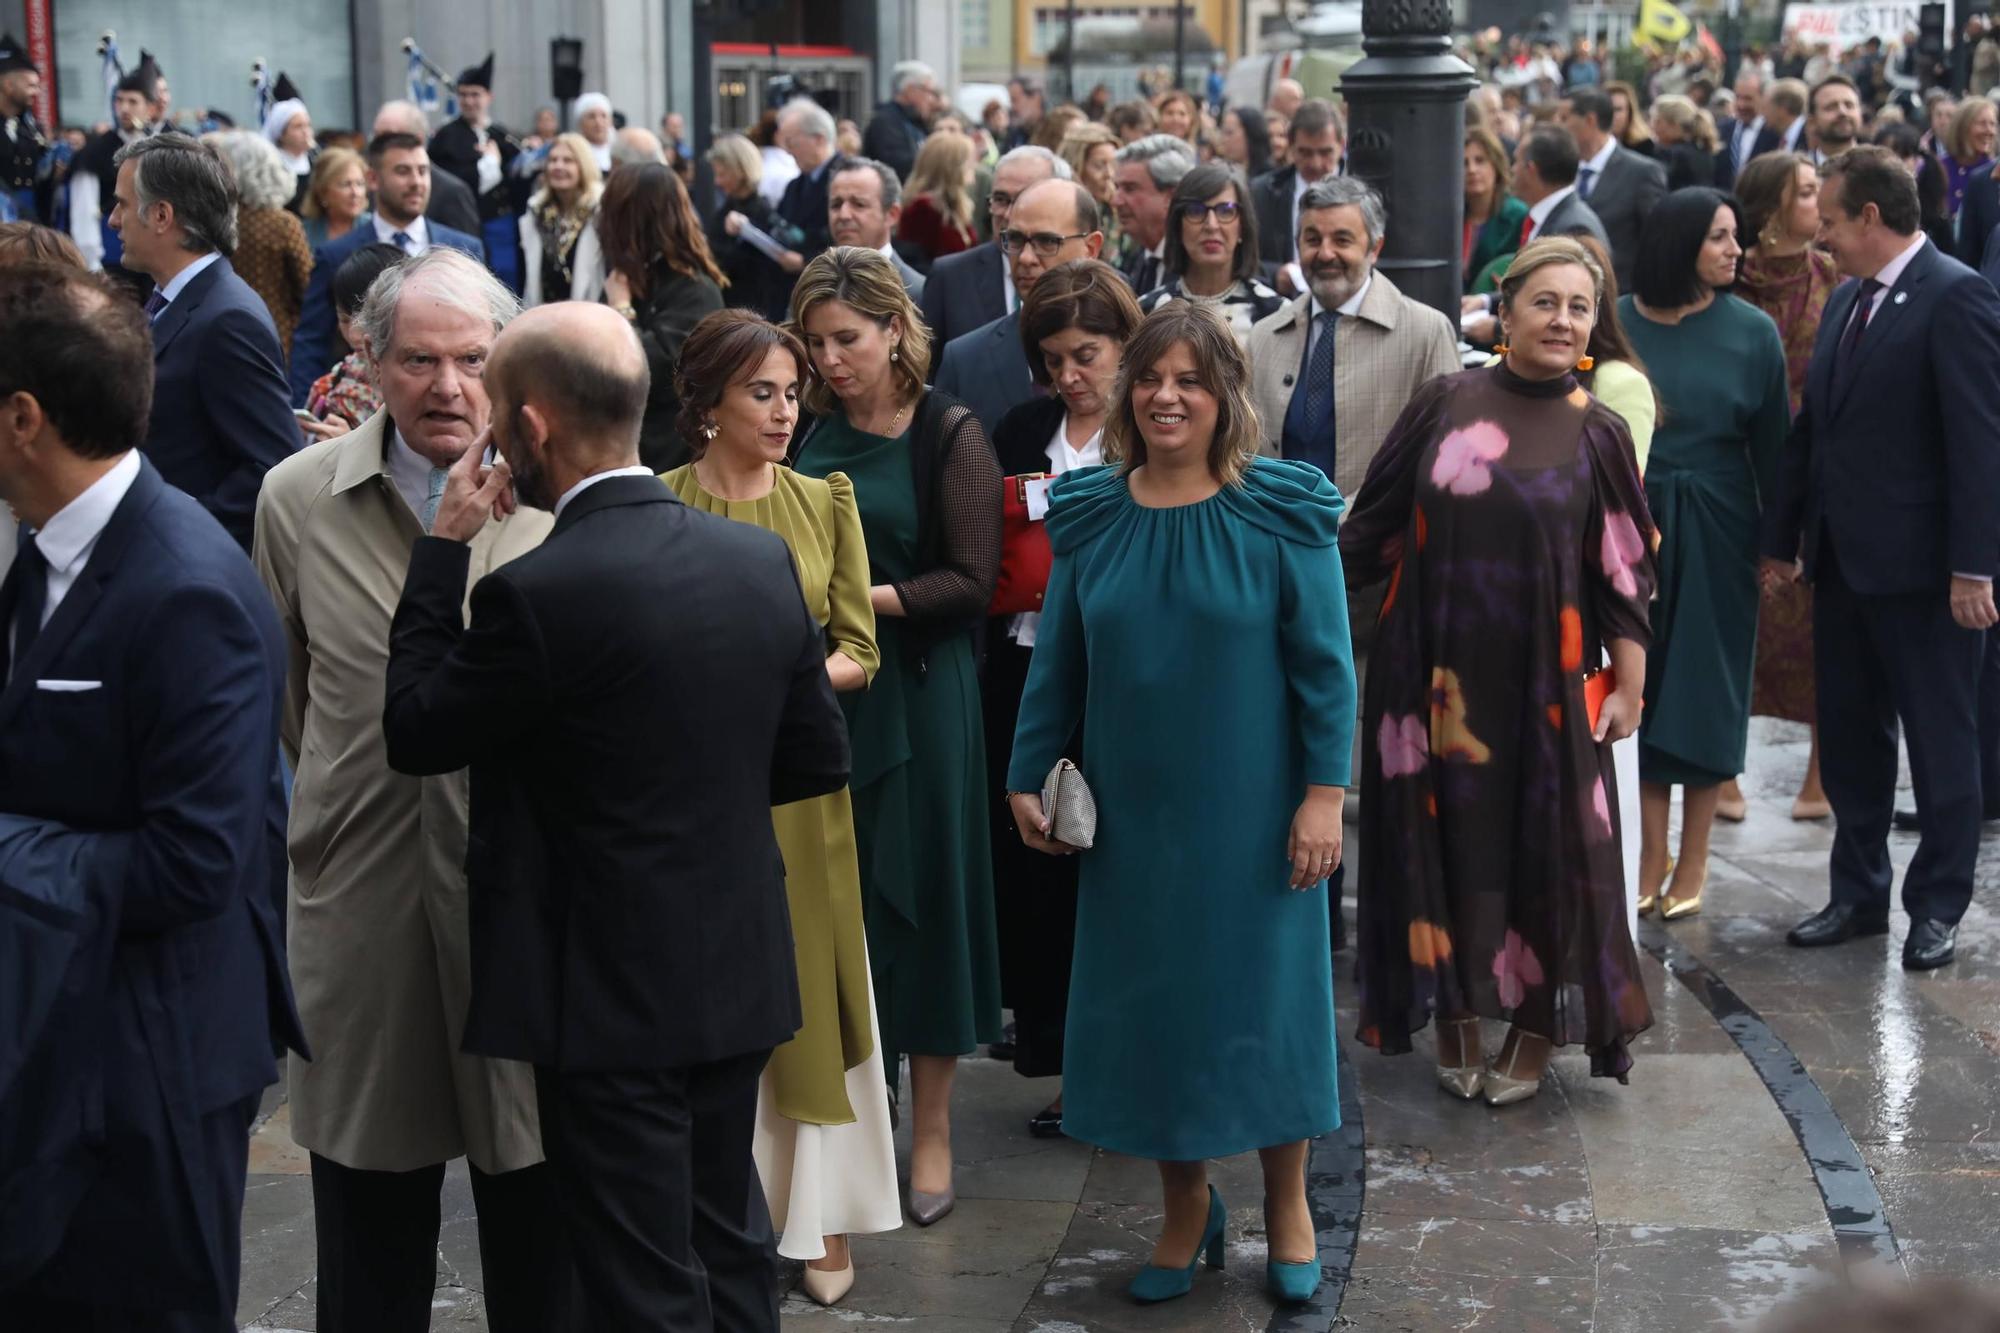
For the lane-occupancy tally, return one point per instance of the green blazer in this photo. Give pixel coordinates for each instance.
(1500, 236)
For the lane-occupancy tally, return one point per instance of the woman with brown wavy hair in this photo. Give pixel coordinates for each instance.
(660, 275)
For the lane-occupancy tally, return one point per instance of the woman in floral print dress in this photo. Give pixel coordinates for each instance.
(1506, 514)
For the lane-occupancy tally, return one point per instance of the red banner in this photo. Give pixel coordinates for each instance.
(42, 50)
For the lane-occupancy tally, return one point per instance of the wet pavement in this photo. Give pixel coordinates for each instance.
(1791, 1111)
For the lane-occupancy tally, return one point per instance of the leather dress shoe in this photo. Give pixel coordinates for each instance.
(1046, 1123)
(1930, 944)
(1004, 1048)
(1836, 923)
(1906, 821)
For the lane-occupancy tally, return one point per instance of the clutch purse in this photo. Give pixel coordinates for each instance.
(1597, 687)
(1025, 554)
(1068, 806)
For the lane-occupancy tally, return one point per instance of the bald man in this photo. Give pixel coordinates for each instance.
(632, 697)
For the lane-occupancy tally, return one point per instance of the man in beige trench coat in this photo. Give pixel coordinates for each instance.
(377, 922)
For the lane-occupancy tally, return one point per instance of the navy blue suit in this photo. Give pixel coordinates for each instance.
(220, 419)
(1890, 486)
(1978, 215)
(316, 342)
(171, 771)
(987, 370)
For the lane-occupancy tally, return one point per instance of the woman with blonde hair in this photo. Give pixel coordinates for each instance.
(756, 282)
(925, 480)
(1687, 141)
(271, 252)
(1968, 146)
(1196, 614)
(1092, 153)
(937, 199)
(560, 255)
(336, 199)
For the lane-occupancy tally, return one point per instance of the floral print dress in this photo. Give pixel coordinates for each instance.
(1508, 519)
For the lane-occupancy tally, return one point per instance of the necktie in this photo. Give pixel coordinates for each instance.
(1148, 275)
(31, 595)
(1586, 181)
(1851, 340)
(403, 241)
(433, 494)
(1319, 393)
(1527, 230)
(155, 304)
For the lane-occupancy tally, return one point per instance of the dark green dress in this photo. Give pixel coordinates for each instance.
(1721, 380)
(919, 787)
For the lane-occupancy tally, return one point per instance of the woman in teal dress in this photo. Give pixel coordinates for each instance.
(1718, 365)
(1196, 613)
(926, 482)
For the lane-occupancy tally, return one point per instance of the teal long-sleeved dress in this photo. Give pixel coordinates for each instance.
(1720, 374)
(1208, 644)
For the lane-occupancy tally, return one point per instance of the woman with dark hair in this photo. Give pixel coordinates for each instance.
(1493, 216)
(1244, 141)
(823, 1146)
(1908, 145)
(1508, 520)
(1074, 326)
(1211, 251)
(1785, 275)
(1195, 614)
(924, 480)
(1719, 366)
(660, 275)
(346, 396)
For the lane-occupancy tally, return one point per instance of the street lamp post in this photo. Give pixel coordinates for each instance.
(1406, 137)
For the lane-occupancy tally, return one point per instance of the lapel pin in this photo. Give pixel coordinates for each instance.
(1902, 297)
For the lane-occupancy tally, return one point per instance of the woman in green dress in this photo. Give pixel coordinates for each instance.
(823, 1146)
(1493, 216)
(926, 481)
(1719, 367)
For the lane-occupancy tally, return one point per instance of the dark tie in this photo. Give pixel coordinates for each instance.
(403, 241)
(31, 594)
(1147, 275)
(1586, 181)
(1850, 341)
(155, 304)
(1319, 393)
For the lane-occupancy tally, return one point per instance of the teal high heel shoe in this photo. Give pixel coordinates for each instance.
(1294, 1283)
(1154, 1284)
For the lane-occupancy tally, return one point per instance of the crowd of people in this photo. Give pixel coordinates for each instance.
(633, 657)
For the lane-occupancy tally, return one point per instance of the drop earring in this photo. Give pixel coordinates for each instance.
(710, 430)
(1587, 363)
(895, 354)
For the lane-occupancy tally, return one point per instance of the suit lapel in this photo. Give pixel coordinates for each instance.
(178, 312)
(1887, 317)
(1819, 383)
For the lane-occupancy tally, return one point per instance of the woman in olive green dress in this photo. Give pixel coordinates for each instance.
(927, 483)
(822, 1145)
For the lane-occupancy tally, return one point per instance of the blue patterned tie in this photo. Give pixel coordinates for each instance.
(403, 241)
(155, 304)
(1586, 181)
(1319, 388)
(432, 495)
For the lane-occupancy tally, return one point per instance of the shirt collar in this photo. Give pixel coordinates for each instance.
(1540, 212)
(1603, 155)
(1892, 272)
(1348, 308)
(594, 478)
(419, 232)
(74, 528)
(187, 275)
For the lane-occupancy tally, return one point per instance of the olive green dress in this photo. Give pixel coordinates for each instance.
(919, 786)
(807, 1075)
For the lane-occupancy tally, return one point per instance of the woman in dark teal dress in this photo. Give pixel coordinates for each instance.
(926, 482)
(1196, 613)
(1718, 365)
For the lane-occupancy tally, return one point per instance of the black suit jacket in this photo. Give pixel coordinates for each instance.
(1271, 195)
(632, 697)
(453, 204)
(804, 206)
(964, 292)
(1898, 460)
(159, 759)
(1021, 440)
(1978, 215)
(222, 412)
(1726, 165)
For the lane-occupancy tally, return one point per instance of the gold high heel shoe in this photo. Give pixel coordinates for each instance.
(1505, 1089)
(1647, 901)
(1463, 1080)
(1681, 908)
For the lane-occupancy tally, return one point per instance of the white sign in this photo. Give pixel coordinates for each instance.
(1847, 25)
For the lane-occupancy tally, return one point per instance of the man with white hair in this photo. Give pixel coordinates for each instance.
(452, 203)
(593, 122)
(1144, 176)
(897, 132)
(806, 130)
(635, 144)
(972, 288)
(377, 922)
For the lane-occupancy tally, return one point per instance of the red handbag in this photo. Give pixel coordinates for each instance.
(1025, 554)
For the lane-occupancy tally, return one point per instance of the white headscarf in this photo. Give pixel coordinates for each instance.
(600, 151)
(281, 115)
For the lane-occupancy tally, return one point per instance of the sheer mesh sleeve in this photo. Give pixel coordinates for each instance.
(969, 516)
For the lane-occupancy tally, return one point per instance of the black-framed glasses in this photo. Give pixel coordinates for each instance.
(1047, 244)
(1225, 213)
(1000, 199)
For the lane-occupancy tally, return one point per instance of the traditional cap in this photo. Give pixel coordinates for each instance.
(12, 58)
(593, 102)
(478, 76)
(284, 90)
(144, 78)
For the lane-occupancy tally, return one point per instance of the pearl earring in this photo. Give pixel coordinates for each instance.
(896, 354)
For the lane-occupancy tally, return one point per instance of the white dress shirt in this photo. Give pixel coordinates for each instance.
(419, 233)
(1063, 457)
(184, 277)
(1293, 270)
(409, 470)
(1539, 213)
(1595, 165)
(596, 477)
(71, 534)
(1746, 139)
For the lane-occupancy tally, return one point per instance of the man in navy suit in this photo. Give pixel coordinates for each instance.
(806, 131)
(1978, 216)
(987, 369)
(399, 176)
(220, 419)
(973, 288)
(144, 670)
(1901, 544)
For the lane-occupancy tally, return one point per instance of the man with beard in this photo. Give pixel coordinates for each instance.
(632, 696)
(378, 923)
(93, 176)
(1331, 371)
(1835, 106)
(452, 200)
(481, 154)
(22, 143)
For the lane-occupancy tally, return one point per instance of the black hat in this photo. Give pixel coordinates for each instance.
(478, 76)
(145, 79)
(284, 90)
(12, 58)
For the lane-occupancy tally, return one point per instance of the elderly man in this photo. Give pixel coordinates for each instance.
(635, 144)
(634, 943)
(897, 132)
(378, 925)
(987, 369)
(806, 131)
(1744, 133)
(1318, 142)
(863, 202)
(594, 123)
(1620, 186)
(973, 288)
(220, 417)
(1287, 95)
(1143, 178)
(1027, 103)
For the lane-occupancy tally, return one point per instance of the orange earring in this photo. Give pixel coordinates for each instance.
(1587, 363)
(1500, 349)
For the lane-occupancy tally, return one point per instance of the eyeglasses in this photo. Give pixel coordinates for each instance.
(1047, 244)
(1225, 213)
(1000, 199)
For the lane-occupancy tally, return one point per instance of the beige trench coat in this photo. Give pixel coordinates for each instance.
(377, 928)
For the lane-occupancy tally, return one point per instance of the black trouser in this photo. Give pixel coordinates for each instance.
(378, 1240)
(1878, 659)
(660, 1196)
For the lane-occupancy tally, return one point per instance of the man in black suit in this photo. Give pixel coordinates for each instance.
(806, 131)
(1745, 134)
(222, 411)
(1901, 546)
(973, 288)
(1318, 142)
(1978, 218)
(1620, 186)
(143, 671)
(632, 697)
